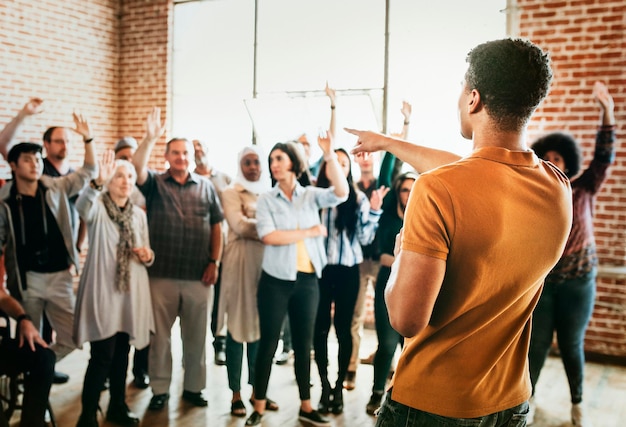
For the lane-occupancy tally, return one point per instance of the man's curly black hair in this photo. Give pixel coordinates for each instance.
(563, 144)
(512, 76)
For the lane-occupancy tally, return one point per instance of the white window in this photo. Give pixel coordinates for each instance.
(225, 90)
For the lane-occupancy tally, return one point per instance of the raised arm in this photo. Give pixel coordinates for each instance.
(421, 158)
(333, 169)
(33, 106)
(82, 128)
(330, 92)
(605, 101)
(154, 129)
(406, 113)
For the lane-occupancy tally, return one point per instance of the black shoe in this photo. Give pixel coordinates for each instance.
(255, 419)
(220, 357)
(324, 406)
(158, 401)
(314, 418)
(336, 405)
(90, 420)
(121, 415)
(60, 378)
(374, 403)
(195, 398)
(141, 380)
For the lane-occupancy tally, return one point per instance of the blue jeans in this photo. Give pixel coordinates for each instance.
(388, 338)
(565, 307)
(394, 414)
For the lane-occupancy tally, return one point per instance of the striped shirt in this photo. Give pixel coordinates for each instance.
(340, 248)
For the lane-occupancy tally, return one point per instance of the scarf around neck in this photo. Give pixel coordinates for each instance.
(123, 218)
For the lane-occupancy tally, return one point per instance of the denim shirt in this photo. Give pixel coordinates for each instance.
(276, 212)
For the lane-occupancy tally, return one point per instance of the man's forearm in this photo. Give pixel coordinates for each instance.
(421, 158)
(140, 159)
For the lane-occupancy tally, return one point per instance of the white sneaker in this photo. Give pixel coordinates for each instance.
(532, 407)
(578, 416)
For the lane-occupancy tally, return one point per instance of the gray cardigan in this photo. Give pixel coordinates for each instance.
(58, 191)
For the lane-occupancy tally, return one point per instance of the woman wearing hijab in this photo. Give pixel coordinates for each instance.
(288, 222)
(112, 314)
(241, 270)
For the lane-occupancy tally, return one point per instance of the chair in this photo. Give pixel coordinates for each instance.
(11, 384)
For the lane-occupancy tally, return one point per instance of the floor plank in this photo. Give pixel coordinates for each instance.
(605, 391)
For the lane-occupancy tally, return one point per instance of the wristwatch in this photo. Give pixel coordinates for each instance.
(94, 185)
(214, 261)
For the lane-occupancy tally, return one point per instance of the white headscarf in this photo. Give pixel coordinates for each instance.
(255, 187)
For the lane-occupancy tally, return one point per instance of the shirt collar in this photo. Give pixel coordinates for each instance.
(502, 155)
(192, 177)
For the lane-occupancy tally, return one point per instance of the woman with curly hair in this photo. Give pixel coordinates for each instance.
(567, 300)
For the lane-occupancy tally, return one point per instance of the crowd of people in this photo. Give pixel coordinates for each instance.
(291, 245)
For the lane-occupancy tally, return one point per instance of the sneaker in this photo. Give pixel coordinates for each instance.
(578, 416)
(314, 418)
(349, 383)
(532, 407)
(282, 358)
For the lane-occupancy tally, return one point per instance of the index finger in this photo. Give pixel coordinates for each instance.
(353, 131)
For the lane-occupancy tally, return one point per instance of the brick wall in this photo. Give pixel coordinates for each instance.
(587, 41)
(110, 60)
(66, 53)
(145, 68)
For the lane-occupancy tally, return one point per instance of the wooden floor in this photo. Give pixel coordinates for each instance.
(605, 395)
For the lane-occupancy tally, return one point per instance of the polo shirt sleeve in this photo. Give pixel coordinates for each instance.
(264, 221)
(429, 219)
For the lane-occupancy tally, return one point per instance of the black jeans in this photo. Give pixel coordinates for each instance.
(219, 341)
(275, 298)
(140, 362)
(339, 284)
(38, 369)
(388, 338)
(109, 359)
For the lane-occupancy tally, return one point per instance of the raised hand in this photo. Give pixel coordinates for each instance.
(330, 92)
(368, 141)
(376, 199)
(605, 100)
(325, 140)
(81, 126)
(107, 167)
(406, 110)
(154, 126)
(33, 106)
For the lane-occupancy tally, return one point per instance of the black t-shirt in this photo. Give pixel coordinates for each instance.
(38, 239)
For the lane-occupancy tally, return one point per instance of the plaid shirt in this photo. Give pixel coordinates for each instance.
(180, 219)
